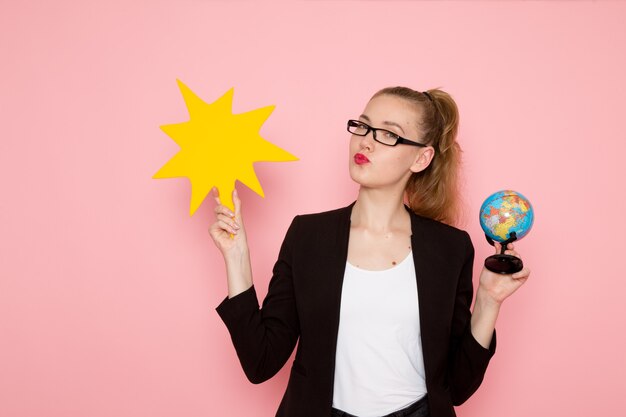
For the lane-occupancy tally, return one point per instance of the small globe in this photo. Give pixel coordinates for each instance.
(505, 212)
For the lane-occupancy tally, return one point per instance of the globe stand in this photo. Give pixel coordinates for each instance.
(502, 263)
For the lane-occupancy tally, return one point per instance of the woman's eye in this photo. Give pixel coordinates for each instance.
(391, 135)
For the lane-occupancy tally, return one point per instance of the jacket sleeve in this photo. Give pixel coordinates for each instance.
(264, 338)
(468, 358)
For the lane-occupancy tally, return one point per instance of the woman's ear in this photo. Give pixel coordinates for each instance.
(423, 160)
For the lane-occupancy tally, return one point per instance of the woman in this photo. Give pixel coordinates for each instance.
(377, 293)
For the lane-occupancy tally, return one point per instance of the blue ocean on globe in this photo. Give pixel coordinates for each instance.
(504, 212)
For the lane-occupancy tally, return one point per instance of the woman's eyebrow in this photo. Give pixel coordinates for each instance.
(394, 124)
(367, 119)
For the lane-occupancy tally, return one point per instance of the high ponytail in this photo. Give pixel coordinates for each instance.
(434, 192)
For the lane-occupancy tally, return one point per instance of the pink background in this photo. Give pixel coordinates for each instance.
(108, 288)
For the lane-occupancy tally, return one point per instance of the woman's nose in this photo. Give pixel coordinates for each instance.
(367, 141)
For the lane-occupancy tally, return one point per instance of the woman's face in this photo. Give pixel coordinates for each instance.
(375, 165)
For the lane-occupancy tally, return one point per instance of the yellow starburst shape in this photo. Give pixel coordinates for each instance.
(218, 148)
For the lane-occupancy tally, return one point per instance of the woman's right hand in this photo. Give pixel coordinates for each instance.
(228, 232)
(229, 236)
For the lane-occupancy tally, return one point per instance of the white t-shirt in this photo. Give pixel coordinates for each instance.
(379, 365)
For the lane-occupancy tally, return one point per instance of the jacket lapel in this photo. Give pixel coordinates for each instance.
(338, 266)
(334, 283)
(427, 294)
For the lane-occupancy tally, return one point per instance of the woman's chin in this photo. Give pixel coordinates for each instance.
(362, 182)
(356, 176)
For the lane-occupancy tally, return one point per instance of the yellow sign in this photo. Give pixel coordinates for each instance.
(218, 147)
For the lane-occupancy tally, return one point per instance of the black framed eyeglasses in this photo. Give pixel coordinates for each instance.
(383, 136)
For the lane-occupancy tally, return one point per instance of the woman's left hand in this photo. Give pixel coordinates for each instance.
(498, 287)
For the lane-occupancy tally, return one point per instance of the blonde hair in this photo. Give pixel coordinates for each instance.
(434, 192)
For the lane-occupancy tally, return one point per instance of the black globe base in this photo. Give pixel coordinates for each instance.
(504, 264)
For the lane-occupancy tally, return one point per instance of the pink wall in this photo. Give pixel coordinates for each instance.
(108, 288)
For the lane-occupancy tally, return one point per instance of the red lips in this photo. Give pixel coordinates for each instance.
(360, 159)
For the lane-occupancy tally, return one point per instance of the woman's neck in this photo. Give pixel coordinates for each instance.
(380, 211)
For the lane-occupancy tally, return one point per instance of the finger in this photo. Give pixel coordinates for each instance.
(498, 246)
(237, 203)
(218, 226)
(524, 273)
(217, 232)
(221, 209)
(510, 246)
(227, 227)
(216, 195)
(228, 220)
